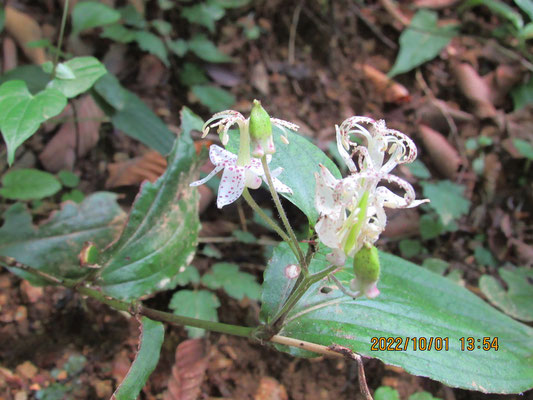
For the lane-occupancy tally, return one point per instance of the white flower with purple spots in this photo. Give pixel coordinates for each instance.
(235, 178)
(352, 209)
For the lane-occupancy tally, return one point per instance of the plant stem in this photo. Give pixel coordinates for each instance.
(299, 254)
(251, 202)
(60, 40)
(134, 308)
(298, 292)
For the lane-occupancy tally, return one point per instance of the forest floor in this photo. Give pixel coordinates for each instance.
(315, 63)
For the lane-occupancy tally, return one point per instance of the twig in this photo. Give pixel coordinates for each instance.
(292, 31)
(393, 10)
(351, 355)
(389, 43)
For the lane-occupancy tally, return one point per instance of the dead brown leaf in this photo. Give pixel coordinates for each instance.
(74, 139)
(402, 224)
(151, 71)
(259, 78)
(501, 81)
(10, 55)
(391, 91)
(149, 166)
(475, 89)
(491, 172)
(270, 389)
(188, 371)
(25, 29)
(443, 155)
(432, 112)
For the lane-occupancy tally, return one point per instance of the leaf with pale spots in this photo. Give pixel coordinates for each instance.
(414, 302)
(162, 232)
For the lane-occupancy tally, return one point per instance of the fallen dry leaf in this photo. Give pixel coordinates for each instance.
(259, 78)
(391, 91)
(73, 139)
(475, 89)
(31, 293)
(10, 55)
(491, 172)
(443, 155)
(431, 112)
(402, 224)
(24, 29)
(270, 389)
(501, 81)
(149, 166)
(151, 71)
(188, 371)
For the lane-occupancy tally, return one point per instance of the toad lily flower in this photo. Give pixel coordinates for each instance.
(235, 178)
(259, 126)
(352, 210)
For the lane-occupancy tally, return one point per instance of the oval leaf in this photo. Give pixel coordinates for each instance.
(421, 41)
(162, 231)
(53, 246)
(29, 184)
(86, 70)
(90, 14)
(413, 302)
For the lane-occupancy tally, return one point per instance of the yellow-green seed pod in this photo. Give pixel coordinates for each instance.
(366, 265)
(260, 125)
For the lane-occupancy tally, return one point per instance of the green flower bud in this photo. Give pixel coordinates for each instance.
(366, 265)
(366, 269)
(260, 125)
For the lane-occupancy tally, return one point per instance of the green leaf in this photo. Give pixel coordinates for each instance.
(524, 148)
(153, 44)
(235, 283)
(526, 6)
(435, 265)
(188, 274)
(75, 195)
(118, 33)
(178, 47)
(132, 17)
(111, 91)
(244, 237)
(527, 32)
(446, 199)
(68, 179)
(203, 14)
(413, 302)
(152, 335)
(192, 74)
(91, 14)
(75, 364)
(523, 95)
(200, 304)
(21, 114)
(517, 300)
(87, 70)
(35, 78)
(410, 248)
(423, 396)
(386, 393)
(214, 98)
(430, 226)
(133, 117)
(421, 41)
(207, 50)
(162, 231)
(498, 8)
(297, 156)
(229, 3)
(162, 27)
(419, 170)
(190, 121)
(484, 257)
(53, 246)
(28, 184)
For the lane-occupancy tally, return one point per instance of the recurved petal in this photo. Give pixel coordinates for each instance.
(342, 150)
(327, 229)
(204, 180)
